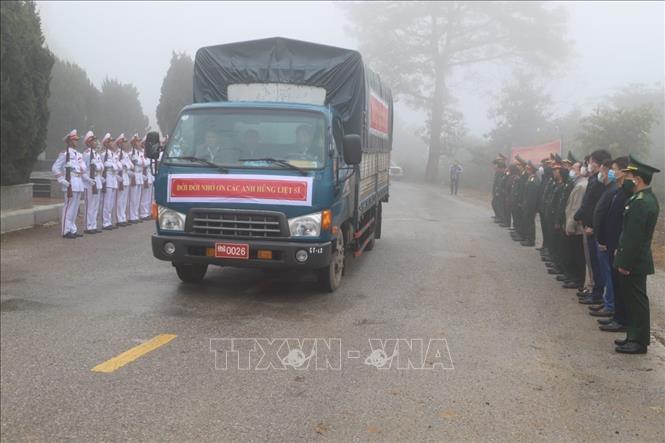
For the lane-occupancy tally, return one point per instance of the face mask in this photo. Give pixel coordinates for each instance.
(628, 185)
(583, 171)
(600, 177)
(611, 175)
(572, 175)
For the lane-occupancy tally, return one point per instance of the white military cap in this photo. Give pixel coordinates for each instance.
(107, 138)
(71, 135)
(89, 135)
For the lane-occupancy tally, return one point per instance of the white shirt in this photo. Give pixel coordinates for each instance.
(78, 168)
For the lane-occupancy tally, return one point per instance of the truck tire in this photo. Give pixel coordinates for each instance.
(330, 277)
(190, 272)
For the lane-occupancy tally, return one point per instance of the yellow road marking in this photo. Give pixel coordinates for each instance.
(137, 351)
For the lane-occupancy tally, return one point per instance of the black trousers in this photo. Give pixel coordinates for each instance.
(529, 223)
(517, 218)
(576, 259)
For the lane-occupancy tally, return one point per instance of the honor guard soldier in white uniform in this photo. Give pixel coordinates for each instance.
(110, 183)
(69, 169)
(146, 189)
(124, 178)
(136, 184)
(93, 182)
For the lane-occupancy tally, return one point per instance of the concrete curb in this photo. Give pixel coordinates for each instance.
(28, 218)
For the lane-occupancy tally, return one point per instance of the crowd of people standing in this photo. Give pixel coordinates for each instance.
(597, 218)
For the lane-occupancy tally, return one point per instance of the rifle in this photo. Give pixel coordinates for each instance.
(106, 157)
(68, 174)
(133, 182)
(121, 184)
(93, 170)
(144, 171)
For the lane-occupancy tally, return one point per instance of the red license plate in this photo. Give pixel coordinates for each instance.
(232, 250)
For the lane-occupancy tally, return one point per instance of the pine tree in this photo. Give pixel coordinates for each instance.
(121, 110)
(25, 68)
(74, 103)
(176, 91)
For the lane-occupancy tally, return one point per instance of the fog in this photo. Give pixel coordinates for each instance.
(615, 43)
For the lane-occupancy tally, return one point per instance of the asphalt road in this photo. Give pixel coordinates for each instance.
(521, 360)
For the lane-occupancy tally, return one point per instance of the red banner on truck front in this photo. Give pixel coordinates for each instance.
(536, 153)
(240, 188)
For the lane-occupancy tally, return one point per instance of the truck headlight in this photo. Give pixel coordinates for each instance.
(306, 225)
(170, 220)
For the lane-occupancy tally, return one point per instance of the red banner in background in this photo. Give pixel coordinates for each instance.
(537, 152)
(379, 116)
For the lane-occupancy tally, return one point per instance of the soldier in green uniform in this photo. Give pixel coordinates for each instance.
(545, 220)
(554, 219)
(530, 205)
(633, 259)
(565, 256)
(518, 200)
(497, 200)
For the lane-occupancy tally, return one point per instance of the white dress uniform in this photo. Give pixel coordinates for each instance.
(110, 186)
(146, 190)
(78, 169)
(137, 160)
(124, 181)
(93, 188)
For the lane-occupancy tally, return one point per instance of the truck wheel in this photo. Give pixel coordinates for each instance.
(191, 273)
(330, 277)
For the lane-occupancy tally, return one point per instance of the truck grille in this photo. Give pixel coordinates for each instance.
(235, 224)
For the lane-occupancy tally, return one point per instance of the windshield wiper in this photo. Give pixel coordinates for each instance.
(199, 160)
(275, 161)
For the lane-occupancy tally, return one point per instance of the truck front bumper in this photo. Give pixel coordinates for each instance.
(197, 250)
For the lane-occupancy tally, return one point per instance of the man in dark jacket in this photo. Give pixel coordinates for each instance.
(585, 215)
(608, 231)
(599, 219)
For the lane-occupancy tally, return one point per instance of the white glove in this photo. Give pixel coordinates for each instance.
(88, 180)
(64, 184)
(102, 179)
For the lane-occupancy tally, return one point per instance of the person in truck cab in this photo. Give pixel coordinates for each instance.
(305, 142)
(210, 149)
(251, 144)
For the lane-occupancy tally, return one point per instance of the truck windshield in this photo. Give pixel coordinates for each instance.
(250, 138)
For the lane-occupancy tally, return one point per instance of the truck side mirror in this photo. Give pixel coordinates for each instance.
(152, 147)
(352, 149)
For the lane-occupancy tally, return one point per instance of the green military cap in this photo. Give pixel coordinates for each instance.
(520, 160)
(530, 165)
(571, 158)
(642, 169)
(500, 158)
